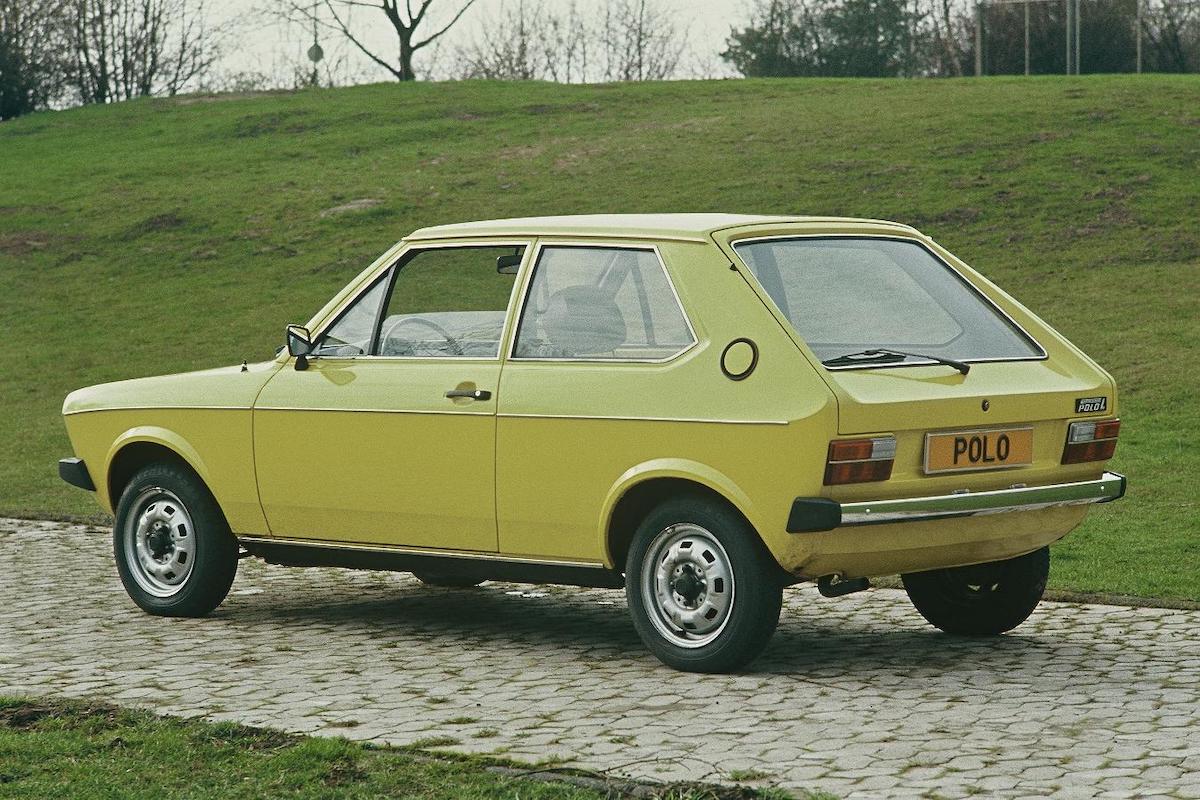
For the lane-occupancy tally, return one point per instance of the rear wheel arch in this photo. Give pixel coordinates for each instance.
(639, 498)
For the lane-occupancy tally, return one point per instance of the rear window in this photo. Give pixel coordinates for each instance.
(848, 295)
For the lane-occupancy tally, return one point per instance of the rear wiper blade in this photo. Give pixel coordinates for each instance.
(887, 356)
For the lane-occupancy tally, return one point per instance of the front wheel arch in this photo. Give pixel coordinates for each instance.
(137, 450)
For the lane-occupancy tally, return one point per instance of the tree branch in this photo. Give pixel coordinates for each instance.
(429, 39)
(345, 29)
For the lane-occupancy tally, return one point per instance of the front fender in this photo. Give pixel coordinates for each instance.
(153, 434)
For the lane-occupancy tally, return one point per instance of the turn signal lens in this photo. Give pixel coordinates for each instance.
(1091, 441)
(860, 460)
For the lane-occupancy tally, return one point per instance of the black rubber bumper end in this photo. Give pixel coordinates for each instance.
(812, 514)
(73, 471)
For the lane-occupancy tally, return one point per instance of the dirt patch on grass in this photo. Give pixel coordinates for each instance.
(22, 243)
(255, 125)
(520, 152)
(23, 716)
(570, 108)
(361, 204)
(248, 736)
(158, 223)
(193, 99)
(344, 771)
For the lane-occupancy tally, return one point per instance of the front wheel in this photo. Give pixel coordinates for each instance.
(981, 599)
(703, 594)
(174, 550)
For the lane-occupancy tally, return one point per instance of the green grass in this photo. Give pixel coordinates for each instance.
(85, 750)
(165, 235)
(93, 751)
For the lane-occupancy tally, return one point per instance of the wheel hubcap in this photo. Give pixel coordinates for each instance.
(687, 585)
(160, 542)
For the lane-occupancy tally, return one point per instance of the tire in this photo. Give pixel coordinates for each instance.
(704, 594)
(174, 550)
(447, 580)
(982, 599)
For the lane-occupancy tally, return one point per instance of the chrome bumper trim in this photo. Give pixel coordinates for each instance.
(1108, 487)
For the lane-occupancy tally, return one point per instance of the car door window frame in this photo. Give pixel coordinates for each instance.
(530, 272)
(394, 267)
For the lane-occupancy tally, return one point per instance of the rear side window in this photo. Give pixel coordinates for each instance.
(847, 295)
(601, 303)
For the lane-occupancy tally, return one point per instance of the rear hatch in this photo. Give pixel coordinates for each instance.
(953, 430)
(881, 312)
(938, 397)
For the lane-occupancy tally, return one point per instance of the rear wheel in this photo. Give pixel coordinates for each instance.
(175, 553)
(981, 599)
(703, 594)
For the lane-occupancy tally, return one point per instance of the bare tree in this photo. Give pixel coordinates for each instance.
(640, 41)
(31, 64)
(621, 40)
(513, 48)
(946, 28)
(569, 45)
(121, 49)
(405, 17)
(528, 42)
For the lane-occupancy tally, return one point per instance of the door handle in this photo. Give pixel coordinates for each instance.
(472, 394)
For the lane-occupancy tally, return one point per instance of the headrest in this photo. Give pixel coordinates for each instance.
(583, 321)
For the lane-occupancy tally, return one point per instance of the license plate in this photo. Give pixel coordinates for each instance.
(960, 451)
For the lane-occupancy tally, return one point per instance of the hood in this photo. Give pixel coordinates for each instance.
(223, 387)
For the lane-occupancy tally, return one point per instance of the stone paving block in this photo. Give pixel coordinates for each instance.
(855, 696)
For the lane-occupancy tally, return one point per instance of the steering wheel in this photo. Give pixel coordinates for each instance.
(455, 347)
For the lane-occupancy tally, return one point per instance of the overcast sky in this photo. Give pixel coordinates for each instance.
(272, 47)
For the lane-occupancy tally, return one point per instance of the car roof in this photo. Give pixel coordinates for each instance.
(690, 227)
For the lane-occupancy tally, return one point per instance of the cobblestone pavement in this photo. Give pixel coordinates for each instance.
(855, 696)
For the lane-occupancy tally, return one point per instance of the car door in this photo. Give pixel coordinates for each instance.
(388, 436)
(591, 367)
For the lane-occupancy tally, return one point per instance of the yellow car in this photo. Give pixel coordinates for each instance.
(700, 408)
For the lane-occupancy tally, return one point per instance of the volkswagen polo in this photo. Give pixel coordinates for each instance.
(700, 408)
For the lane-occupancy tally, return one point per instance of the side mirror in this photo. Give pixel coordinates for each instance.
(299, 344)
(508, 265)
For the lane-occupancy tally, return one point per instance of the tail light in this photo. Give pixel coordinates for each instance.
(860, 460)
(1091, 441)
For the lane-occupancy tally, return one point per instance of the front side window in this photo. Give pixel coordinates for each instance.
(351, 335)
(449, 302)
(845, 296)
(601, 303)
(444, 302)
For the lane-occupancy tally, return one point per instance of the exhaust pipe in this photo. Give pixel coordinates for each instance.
(836, 586)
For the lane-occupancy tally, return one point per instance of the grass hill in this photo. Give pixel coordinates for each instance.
(164, 235)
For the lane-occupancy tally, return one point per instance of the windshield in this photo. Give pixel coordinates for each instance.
(846, 295)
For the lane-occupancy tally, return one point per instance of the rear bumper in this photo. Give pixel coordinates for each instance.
(74, 472)
(812, 514)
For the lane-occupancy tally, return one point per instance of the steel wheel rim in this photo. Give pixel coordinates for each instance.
(160, 542)
(687, 585)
